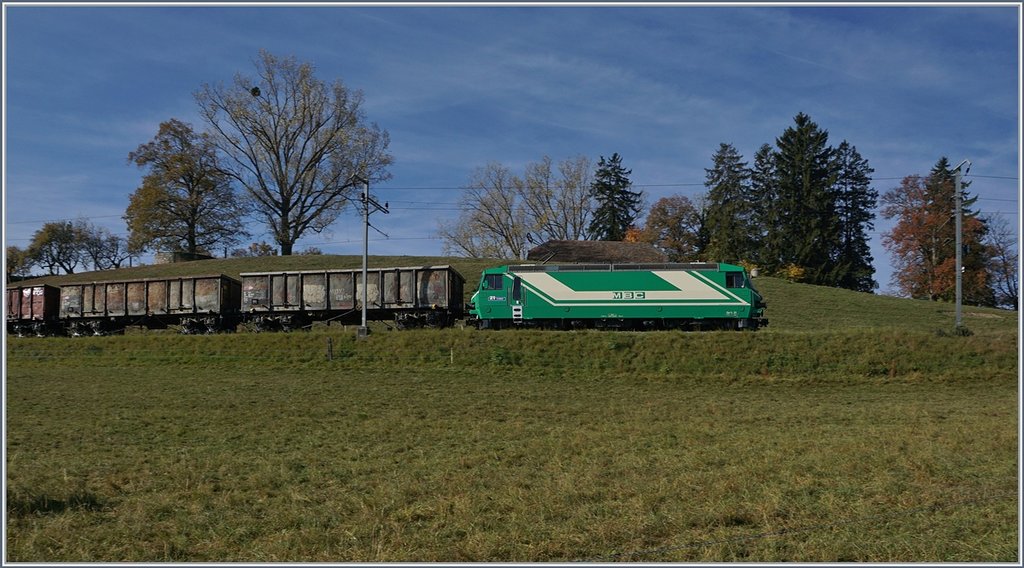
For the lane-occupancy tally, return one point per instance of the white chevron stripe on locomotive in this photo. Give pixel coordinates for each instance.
(688, 288)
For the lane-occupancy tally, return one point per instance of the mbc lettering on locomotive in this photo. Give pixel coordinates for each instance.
(629, 295)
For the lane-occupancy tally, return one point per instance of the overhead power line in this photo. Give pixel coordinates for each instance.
(453, 206)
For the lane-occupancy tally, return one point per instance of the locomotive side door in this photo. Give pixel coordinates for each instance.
(518, 299)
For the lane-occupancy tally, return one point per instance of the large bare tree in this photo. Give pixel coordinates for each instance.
(493, 220)
(558, 203)
(501, 212)
(294, 143)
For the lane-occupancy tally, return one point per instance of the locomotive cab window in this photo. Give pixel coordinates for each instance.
(517, 289)
(493, 282)
(734, 280)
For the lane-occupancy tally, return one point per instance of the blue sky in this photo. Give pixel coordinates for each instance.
(458, 87)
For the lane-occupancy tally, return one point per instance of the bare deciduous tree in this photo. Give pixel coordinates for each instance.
(559, 206)
(502, 212)
(294, 143)
(99, 246)
(493, 219)
(1002, 241)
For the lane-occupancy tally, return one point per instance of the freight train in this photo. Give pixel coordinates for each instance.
(623, 296)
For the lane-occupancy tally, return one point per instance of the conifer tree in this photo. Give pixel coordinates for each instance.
(617, 206)
(764, 193)
(855, 203)
(807, 220)
(729, 221)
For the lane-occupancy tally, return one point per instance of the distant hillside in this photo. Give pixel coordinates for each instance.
(791, 306)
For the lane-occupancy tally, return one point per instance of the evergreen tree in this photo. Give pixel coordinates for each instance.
(807, 220)
(855, 204)
(764, 189)
(730, 211)
(617, 206)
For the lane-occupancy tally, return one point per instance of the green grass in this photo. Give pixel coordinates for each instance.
(878, 445)
(802, 307)
(854, 428)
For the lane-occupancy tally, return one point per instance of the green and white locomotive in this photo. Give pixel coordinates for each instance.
(618, 296)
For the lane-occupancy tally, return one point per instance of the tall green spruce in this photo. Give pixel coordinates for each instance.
(766, 248)
(806, 209)
(730, 215)
(855, 204)
(805, 204)
(617, 206)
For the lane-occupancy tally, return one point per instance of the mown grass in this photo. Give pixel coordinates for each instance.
(873, 445)
(802, 307)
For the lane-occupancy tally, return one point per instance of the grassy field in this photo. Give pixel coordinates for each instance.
(854, 428)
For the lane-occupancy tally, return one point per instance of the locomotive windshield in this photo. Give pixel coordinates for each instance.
(492, 282)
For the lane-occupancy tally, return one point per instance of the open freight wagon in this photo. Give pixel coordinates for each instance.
(197, 304)
(422, 296)
(32, 310)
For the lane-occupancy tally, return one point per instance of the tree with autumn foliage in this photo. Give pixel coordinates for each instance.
(923, 241)
(677, 226)
(186, 202)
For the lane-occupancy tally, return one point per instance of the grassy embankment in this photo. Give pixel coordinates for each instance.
(848, 430)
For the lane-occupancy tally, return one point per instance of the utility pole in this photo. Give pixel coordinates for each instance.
(368, 202)
(959, 173)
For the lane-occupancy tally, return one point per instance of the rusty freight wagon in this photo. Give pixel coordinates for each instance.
(422, 296)
(195, 304)
(32, 310)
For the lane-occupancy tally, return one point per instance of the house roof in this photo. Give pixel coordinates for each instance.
(596, 251)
